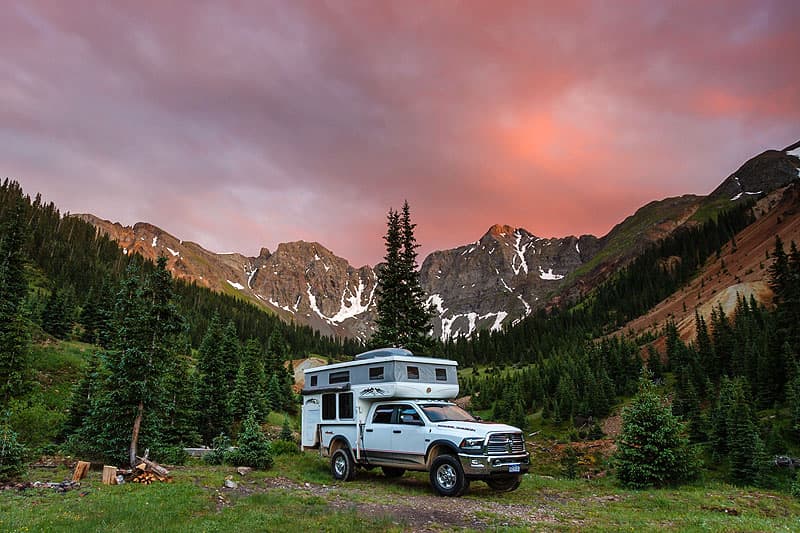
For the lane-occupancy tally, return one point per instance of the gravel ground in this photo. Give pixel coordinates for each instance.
(421, 512)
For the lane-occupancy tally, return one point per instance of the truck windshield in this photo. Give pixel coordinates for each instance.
(442, 413)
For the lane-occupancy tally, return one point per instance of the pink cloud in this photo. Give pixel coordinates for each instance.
(241, 125)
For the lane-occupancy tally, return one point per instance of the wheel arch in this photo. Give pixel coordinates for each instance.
(437, 448)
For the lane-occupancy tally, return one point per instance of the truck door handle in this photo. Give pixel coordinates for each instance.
(368, 430)
(396, 431)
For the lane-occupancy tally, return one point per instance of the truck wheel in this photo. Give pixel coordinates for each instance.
(342, 466)
(447, 476)
(505, 483)
(389, 471)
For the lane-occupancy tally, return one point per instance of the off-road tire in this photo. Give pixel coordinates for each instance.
(343, 467)
(392, 472)
(447, 477)
(504, 483)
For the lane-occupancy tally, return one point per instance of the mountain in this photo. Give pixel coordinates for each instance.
(498, 279)
(301, 281)
(491, 283)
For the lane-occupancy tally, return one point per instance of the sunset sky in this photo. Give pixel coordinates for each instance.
(244, 124)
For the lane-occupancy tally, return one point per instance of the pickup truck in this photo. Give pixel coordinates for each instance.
(428, 435)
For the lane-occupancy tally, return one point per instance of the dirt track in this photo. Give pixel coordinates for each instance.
(419, 512)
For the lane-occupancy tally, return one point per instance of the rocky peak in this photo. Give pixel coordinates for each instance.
(762, 174)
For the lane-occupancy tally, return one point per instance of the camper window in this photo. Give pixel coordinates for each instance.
(338, 377)
(441, 374)
(329, 406)
(313, 381)
(412, 372)
(376, 373)
(345, 406)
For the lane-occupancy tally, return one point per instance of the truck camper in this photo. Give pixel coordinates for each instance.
(392, 409)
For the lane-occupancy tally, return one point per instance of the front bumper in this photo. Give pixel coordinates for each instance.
(494, 465)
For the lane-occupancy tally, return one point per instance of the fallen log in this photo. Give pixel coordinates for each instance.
(152, 466)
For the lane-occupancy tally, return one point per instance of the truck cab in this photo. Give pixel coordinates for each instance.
(406, 422)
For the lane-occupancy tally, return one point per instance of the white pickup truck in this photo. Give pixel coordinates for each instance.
(388, 408)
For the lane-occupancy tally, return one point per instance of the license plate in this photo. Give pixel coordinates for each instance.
(513, 469)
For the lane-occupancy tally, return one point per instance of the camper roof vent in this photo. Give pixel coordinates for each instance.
(383, 352)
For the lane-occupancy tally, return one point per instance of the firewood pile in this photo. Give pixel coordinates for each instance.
(147, 472)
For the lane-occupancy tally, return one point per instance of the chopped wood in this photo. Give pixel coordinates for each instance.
(80, 470)
(109, 475)
(153, 466)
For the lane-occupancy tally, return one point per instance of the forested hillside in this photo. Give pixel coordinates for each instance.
(737, 385)
(93, 340)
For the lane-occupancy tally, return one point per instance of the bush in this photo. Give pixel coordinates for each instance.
(221, 446)
(12, 454)
(284, 447)
(171, 455)
(653, 449)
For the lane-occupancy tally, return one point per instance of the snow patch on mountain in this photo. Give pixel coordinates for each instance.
(351, 306)
(278, 305)
(155, 241)
(549, 276)
(437, 302)
(472, 323)
(520, 254)
(173, 252)
(235, 285)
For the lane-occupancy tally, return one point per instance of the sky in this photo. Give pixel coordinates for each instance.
(240, 125)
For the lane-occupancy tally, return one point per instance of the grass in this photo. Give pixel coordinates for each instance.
(196, 502)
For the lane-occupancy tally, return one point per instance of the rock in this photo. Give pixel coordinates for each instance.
(244, 470)
(231, 484)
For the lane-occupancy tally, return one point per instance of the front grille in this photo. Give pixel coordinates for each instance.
(505, 444)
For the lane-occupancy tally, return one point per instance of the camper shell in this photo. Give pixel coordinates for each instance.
(343, 392)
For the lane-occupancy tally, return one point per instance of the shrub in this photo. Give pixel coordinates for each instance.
(284, 447)
(171, 455)
(220, 447)
(12, 454)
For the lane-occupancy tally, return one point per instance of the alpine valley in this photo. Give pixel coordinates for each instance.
(502, 277)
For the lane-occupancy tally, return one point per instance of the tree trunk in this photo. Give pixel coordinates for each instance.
(137, 424)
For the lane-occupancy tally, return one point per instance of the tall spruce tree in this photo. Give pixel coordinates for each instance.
(213, 390)
(404, 321)
(13, 288)
(249, 392)
(130, 405)
(653, 449)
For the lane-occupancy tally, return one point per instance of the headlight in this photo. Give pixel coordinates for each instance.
(472, 444)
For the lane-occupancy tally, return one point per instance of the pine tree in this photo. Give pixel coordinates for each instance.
(130, 403)
(653, 449)
(388, 292)
(55, 316)
(254, 449)
(249, 391)
(212, 394)
(744, 443)
(403, 318)
(13, 288)
(229, 346)
(417, 319)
